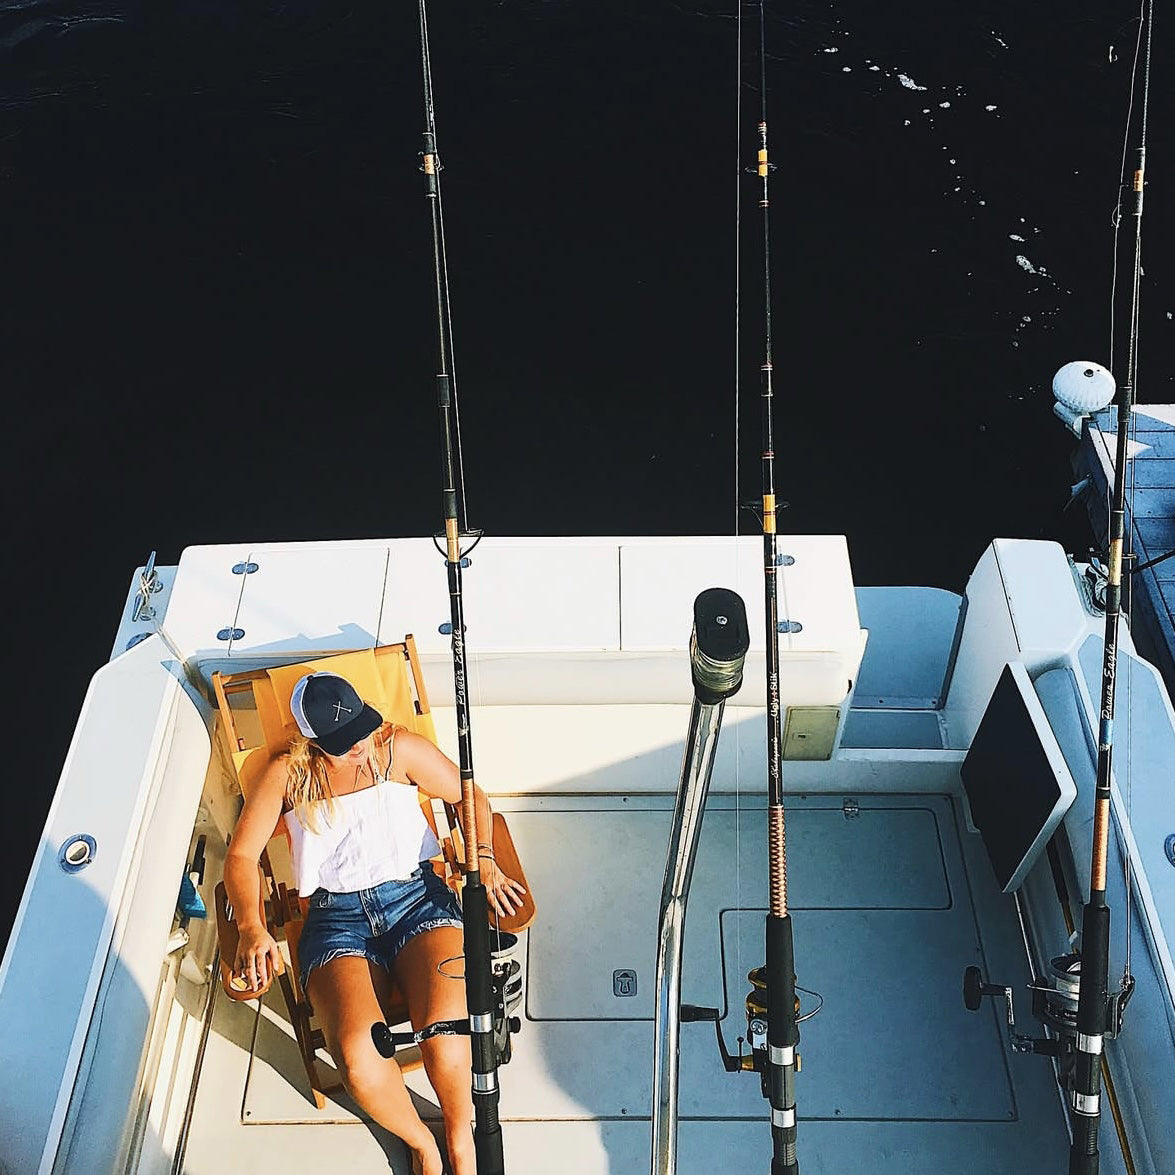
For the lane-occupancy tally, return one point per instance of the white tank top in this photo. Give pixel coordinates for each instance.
(377, 834)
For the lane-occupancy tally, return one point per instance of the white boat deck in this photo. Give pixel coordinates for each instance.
(895, 1071)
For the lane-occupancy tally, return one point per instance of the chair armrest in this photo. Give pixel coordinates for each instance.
(228, 935)
(507, 859)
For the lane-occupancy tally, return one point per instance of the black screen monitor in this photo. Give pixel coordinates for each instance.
(1016, 780)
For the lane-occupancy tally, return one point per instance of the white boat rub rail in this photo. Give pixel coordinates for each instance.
(76, 947)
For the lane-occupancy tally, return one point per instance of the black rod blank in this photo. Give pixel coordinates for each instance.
(782, 1029)
(479, 993)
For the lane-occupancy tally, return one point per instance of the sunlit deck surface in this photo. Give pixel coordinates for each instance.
(890, 904)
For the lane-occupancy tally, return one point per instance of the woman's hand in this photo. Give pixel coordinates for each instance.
(257, 959)
(504, 893)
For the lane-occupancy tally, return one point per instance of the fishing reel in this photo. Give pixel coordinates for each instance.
(506, 986)
(1054, 1003)
(757, 1060)
(1097, 579)
(974, 990)
(756, 1008)
(506, 979)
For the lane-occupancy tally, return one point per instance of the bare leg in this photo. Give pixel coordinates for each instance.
(345, 1003)
(432, 997)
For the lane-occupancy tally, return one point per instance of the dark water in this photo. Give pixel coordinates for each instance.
(218, 317)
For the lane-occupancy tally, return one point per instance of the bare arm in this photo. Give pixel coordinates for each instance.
(431, 770)
(256, 950)
(435, 774)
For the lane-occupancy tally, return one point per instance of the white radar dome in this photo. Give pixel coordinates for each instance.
(1084, 387)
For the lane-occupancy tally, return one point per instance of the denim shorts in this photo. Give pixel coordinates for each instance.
(374, 923)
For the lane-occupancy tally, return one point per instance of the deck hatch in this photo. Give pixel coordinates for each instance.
(602, 871)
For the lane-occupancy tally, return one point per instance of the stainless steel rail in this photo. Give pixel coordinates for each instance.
(717, 650)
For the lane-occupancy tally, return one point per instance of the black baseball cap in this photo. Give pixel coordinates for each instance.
(328, 710)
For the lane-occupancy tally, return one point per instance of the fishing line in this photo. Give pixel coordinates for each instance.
(1145, 17)
(488, 1048)
(1117, 218)
(1129, 560)
(444, 307)
(778, 1056)
(738, 205)
(452, 368)
(738, 210)
(1132, 376)
(1095, 1003)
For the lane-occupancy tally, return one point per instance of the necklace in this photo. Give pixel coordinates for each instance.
(354, 783)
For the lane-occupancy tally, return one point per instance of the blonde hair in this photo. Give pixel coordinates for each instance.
(308, 789)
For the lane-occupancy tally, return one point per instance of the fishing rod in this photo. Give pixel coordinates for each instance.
(1075, 999)
(779, 1072)
(489, 1037)
(772, 1007)
(1099, 1013)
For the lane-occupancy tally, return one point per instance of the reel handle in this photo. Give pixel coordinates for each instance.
(975, 988)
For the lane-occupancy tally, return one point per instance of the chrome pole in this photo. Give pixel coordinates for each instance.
(718, 648)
